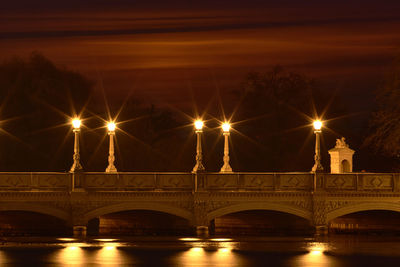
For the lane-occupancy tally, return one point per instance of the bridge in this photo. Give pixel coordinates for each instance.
(79, 197)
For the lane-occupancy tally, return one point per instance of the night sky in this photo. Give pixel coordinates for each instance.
(182, 54)
(169, 51)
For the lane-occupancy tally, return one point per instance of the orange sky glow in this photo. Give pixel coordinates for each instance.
(166, 55)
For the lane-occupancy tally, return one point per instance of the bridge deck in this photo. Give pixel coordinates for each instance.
(199, 198)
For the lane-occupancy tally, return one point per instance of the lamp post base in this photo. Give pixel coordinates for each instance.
(317, 168)
(111, 169)
(76, 167)
(198, 168)
(226, 168)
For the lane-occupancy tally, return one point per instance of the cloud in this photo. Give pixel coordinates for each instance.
(186, 25)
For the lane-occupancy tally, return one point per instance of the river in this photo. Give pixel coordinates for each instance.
(191, 251)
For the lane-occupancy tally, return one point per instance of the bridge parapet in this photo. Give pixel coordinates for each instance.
(256, 182)
(145, 181)
(181, 181)
(40, 181)
(359, 182)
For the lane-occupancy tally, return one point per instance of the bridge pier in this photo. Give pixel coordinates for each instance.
(321, 230)
(200, 215)
(319, 212)
(202, 231)
(79, 231)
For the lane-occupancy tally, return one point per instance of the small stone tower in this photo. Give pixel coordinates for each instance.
(341, 157)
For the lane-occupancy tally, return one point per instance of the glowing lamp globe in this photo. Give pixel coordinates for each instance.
(76, 123)
(317, 125)
(111, 126)
(198, 124)
(226, 127)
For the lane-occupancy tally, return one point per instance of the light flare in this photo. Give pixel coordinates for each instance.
(198, 124)
(317, 125)
(76, 123)
(226, 127)
(111, 126)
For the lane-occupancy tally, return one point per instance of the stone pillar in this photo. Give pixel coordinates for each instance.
(200, 218)
(321, 230)
(79, 206)
(77, 181)
(202, 231)
(79, 231)
(341, 157)
(199, 181)
(319, 214)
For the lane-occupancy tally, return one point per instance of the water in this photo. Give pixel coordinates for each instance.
(159, 251)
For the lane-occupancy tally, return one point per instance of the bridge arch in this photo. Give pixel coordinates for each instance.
(260, 206)
(362, 207)
(42, 209)
(140, 206)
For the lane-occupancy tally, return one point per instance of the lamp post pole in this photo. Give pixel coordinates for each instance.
(76, 166)
(317, 157)
(226, 167)
(111, 157)
(199, 167)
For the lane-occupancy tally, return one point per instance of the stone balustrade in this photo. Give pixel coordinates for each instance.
(180, 181)
(199, 198)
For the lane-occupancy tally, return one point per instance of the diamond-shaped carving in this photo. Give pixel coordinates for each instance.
(257, 181)
(339, 181)
(14, 181)
(52, 180)
(175, 181)
(376, 182)
(294, 181)
(99, 181)
(220, 181)
(136, 181)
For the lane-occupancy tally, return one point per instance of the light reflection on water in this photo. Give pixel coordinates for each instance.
(314, 257)
(72, 255)
(197, 256)
(192, 251)
(109, 255)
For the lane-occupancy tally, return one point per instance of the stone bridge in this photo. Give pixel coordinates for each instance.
(199, 198)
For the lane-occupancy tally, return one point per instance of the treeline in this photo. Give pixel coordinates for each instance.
(271, 116)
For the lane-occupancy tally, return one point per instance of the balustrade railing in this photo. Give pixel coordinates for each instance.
(179, 181)
(45, 181)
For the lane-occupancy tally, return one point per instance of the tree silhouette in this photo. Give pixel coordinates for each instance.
(384, 136)
(277, 110)
(37, 95)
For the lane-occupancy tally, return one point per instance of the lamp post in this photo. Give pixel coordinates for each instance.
(317, 157)
(76, 166)
(225, 129)
(198, 124)
(111, 158)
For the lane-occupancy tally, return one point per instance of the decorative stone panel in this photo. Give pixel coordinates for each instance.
(258, 181)
(100, 181)
(221, 181)
(52, 181)
(138, 181)
(176, 181)
(378, 182)
(15, 181)
(340, 182)
(295, 181)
